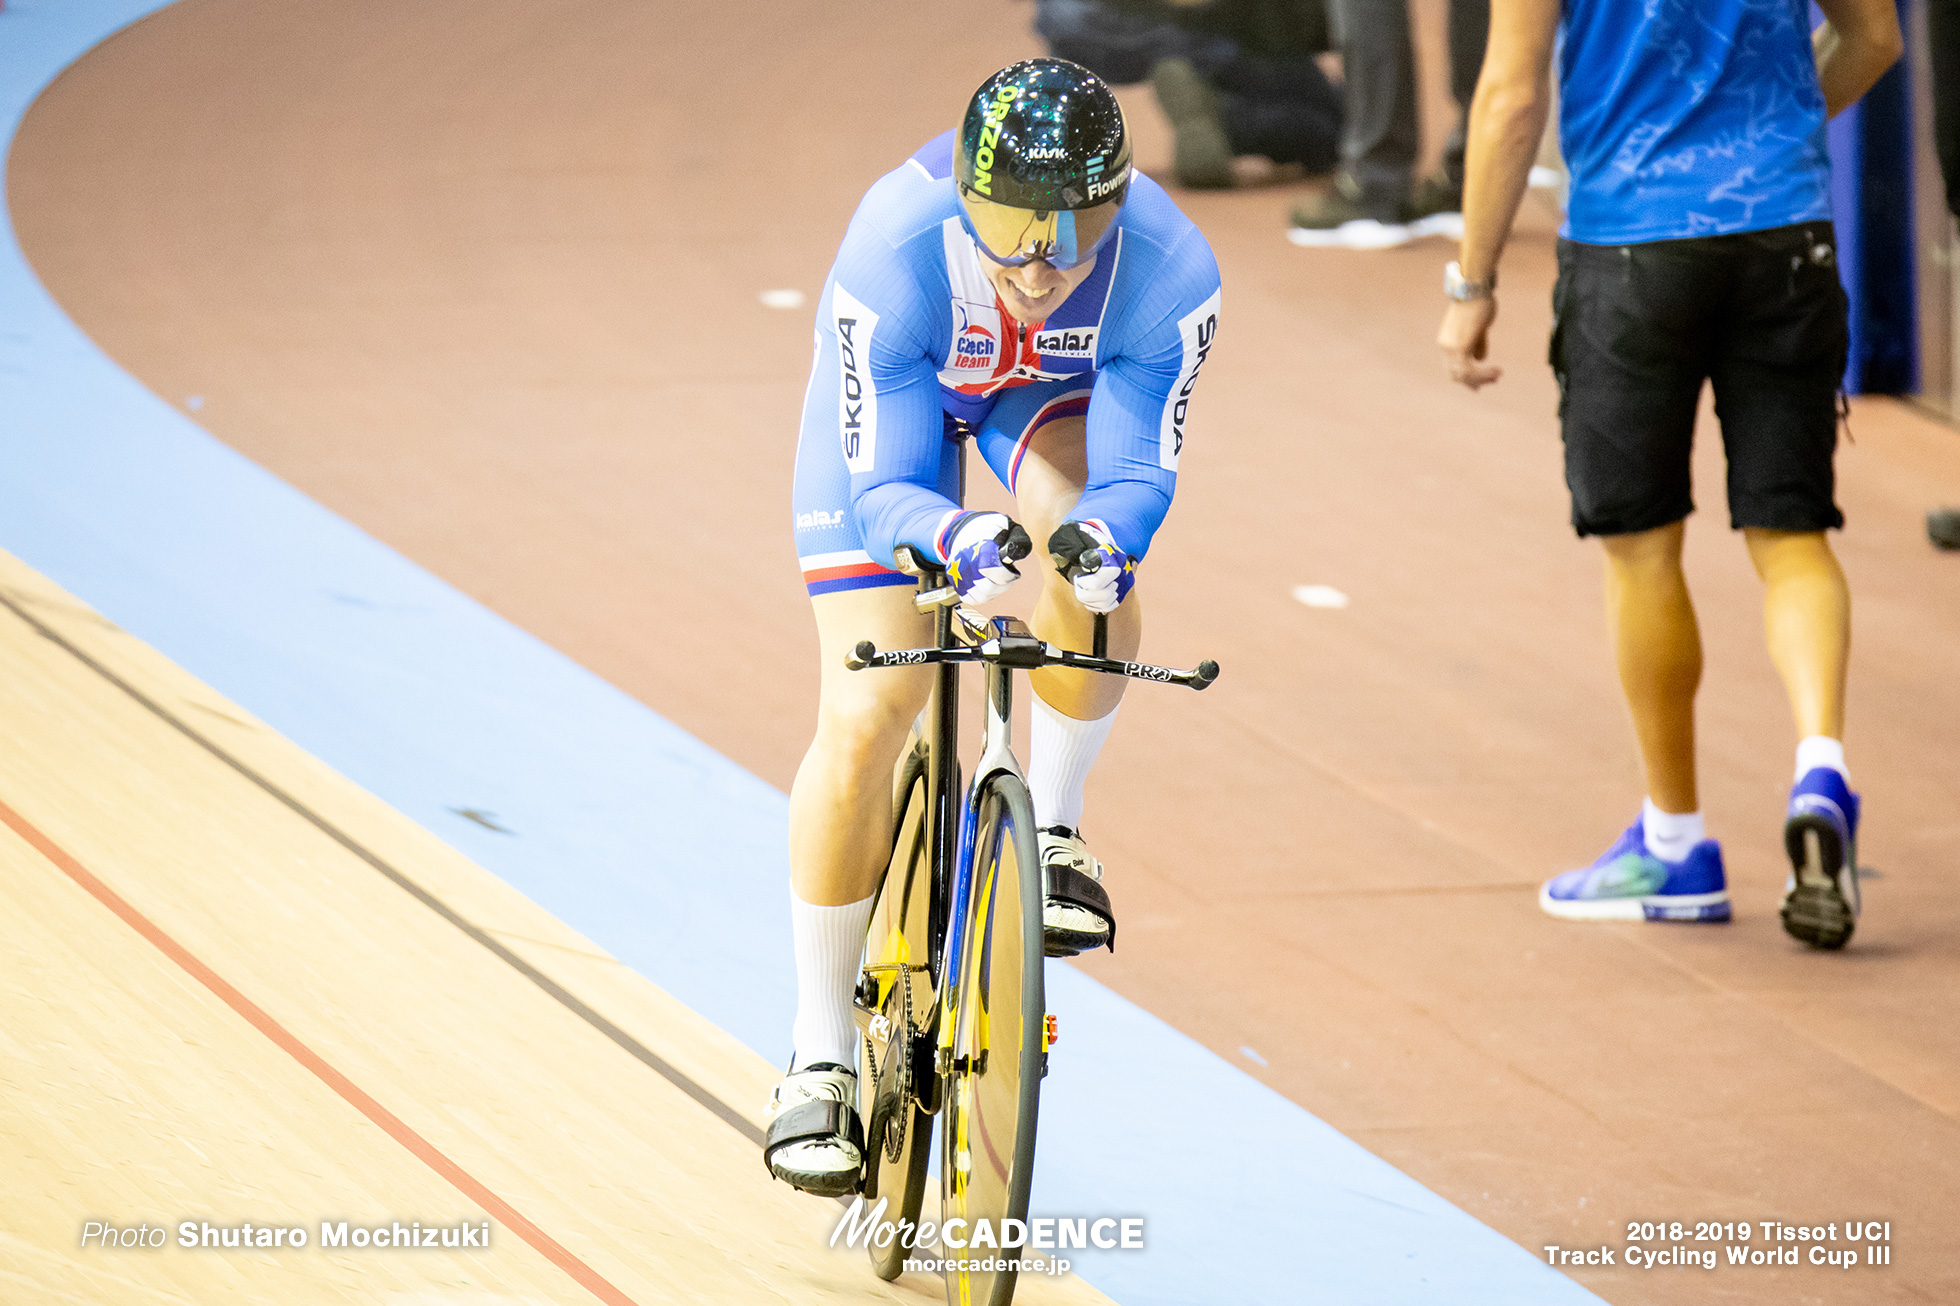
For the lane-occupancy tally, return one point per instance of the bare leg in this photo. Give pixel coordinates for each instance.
(840, 807)
(1658, 647)
(1053, 472)
(1807, 617)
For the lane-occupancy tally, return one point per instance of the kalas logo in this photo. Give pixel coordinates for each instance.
(975, 347)
(1079, 343)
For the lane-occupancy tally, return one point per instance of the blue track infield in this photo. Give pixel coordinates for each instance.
(636, 834)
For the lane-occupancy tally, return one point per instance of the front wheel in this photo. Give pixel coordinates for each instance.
(998, 1009)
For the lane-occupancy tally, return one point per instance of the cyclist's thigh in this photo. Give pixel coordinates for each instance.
(1034, 433)
(879, 704)
(853, 597)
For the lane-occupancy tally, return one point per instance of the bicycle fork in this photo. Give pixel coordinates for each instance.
(996, 756)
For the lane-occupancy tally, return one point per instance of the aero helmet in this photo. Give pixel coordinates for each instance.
(1042, 164)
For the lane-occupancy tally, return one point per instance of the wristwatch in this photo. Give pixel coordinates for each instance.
(1463, 291)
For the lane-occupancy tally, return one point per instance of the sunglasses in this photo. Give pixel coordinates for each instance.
(1061, 238)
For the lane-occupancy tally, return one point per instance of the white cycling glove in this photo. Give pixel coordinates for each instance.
(981, 550)
(1085, 553)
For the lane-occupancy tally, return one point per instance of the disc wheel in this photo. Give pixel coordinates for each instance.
(994, 1089)
(894, 1005)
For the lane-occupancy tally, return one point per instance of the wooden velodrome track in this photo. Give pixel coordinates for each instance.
(230, 948)
(482, 278)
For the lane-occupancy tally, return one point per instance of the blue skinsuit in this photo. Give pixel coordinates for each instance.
(914, 350)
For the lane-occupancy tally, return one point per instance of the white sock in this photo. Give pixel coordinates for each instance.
(1814, 751)
(1670, 835)
(1061, 750)
(829, 952)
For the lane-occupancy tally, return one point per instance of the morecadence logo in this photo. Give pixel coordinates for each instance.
(983, 1239)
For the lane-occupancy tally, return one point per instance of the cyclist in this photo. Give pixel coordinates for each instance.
(1016, 284)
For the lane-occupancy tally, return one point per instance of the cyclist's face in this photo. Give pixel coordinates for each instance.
(1034, 290)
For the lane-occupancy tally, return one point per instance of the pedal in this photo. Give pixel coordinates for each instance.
(1051, 1031)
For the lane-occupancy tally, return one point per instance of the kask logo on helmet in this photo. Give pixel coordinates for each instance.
(983, 157)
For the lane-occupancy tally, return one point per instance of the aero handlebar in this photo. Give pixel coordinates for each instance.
(1027, 653)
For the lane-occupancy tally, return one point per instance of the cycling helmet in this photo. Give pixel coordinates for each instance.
(1042, 164)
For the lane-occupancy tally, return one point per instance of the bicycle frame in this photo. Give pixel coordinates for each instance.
(996, 756)
(953, 831)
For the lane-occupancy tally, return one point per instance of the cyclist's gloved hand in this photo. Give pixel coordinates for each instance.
(1084, 552)
(981, 550)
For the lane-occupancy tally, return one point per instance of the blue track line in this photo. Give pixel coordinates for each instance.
(636, 834)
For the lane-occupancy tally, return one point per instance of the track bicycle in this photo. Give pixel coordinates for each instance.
(950, 1003)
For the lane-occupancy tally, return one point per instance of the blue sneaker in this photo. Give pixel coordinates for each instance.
(1629, 883)
(1820, 902)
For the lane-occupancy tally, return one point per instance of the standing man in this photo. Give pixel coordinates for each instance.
(1943, 41)
(1234, 77)
(1375, 203)
(1697, 245)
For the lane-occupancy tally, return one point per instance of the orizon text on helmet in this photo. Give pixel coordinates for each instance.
(983, 157)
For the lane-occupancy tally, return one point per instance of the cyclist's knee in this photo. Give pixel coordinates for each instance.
(867, 730)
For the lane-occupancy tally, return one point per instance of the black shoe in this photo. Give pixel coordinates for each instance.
(1436, 196)
(1203, 159)
(1341, 219)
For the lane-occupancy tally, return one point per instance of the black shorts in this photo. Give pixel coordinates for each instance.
(1637, 328)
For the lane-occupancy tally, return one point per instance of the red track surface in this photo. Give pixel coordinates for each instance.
(482, 277)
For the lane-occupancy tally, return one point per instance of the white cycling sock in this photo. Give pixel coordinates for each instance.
(829, 951)
(1061, 750)
(1670, 835)
(1814, 751)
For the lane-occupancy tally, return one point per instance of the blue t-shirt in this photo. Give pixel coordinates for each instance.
(909, 328)
(1689, 118)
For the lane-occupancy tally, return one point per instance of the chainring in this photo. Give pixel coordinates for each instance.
(893, 1074)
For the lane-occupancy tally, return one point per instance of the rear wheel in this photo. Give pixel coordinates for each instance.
(994, 1087)
(894, 1013)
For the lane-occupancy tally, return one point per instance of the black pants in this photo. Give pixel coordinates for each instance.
(1379, 143)
(1273, 98)
(1943, 29)
(1638, 328)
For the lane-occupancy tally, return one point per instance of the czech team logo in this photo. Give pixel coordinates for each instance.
(975, 347)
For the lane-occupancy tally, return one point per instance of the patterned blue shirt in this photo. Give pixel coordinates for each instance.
(1689, 118)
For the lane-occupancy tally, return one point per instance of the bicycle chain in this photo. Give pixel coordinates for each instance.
(900, 1046)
